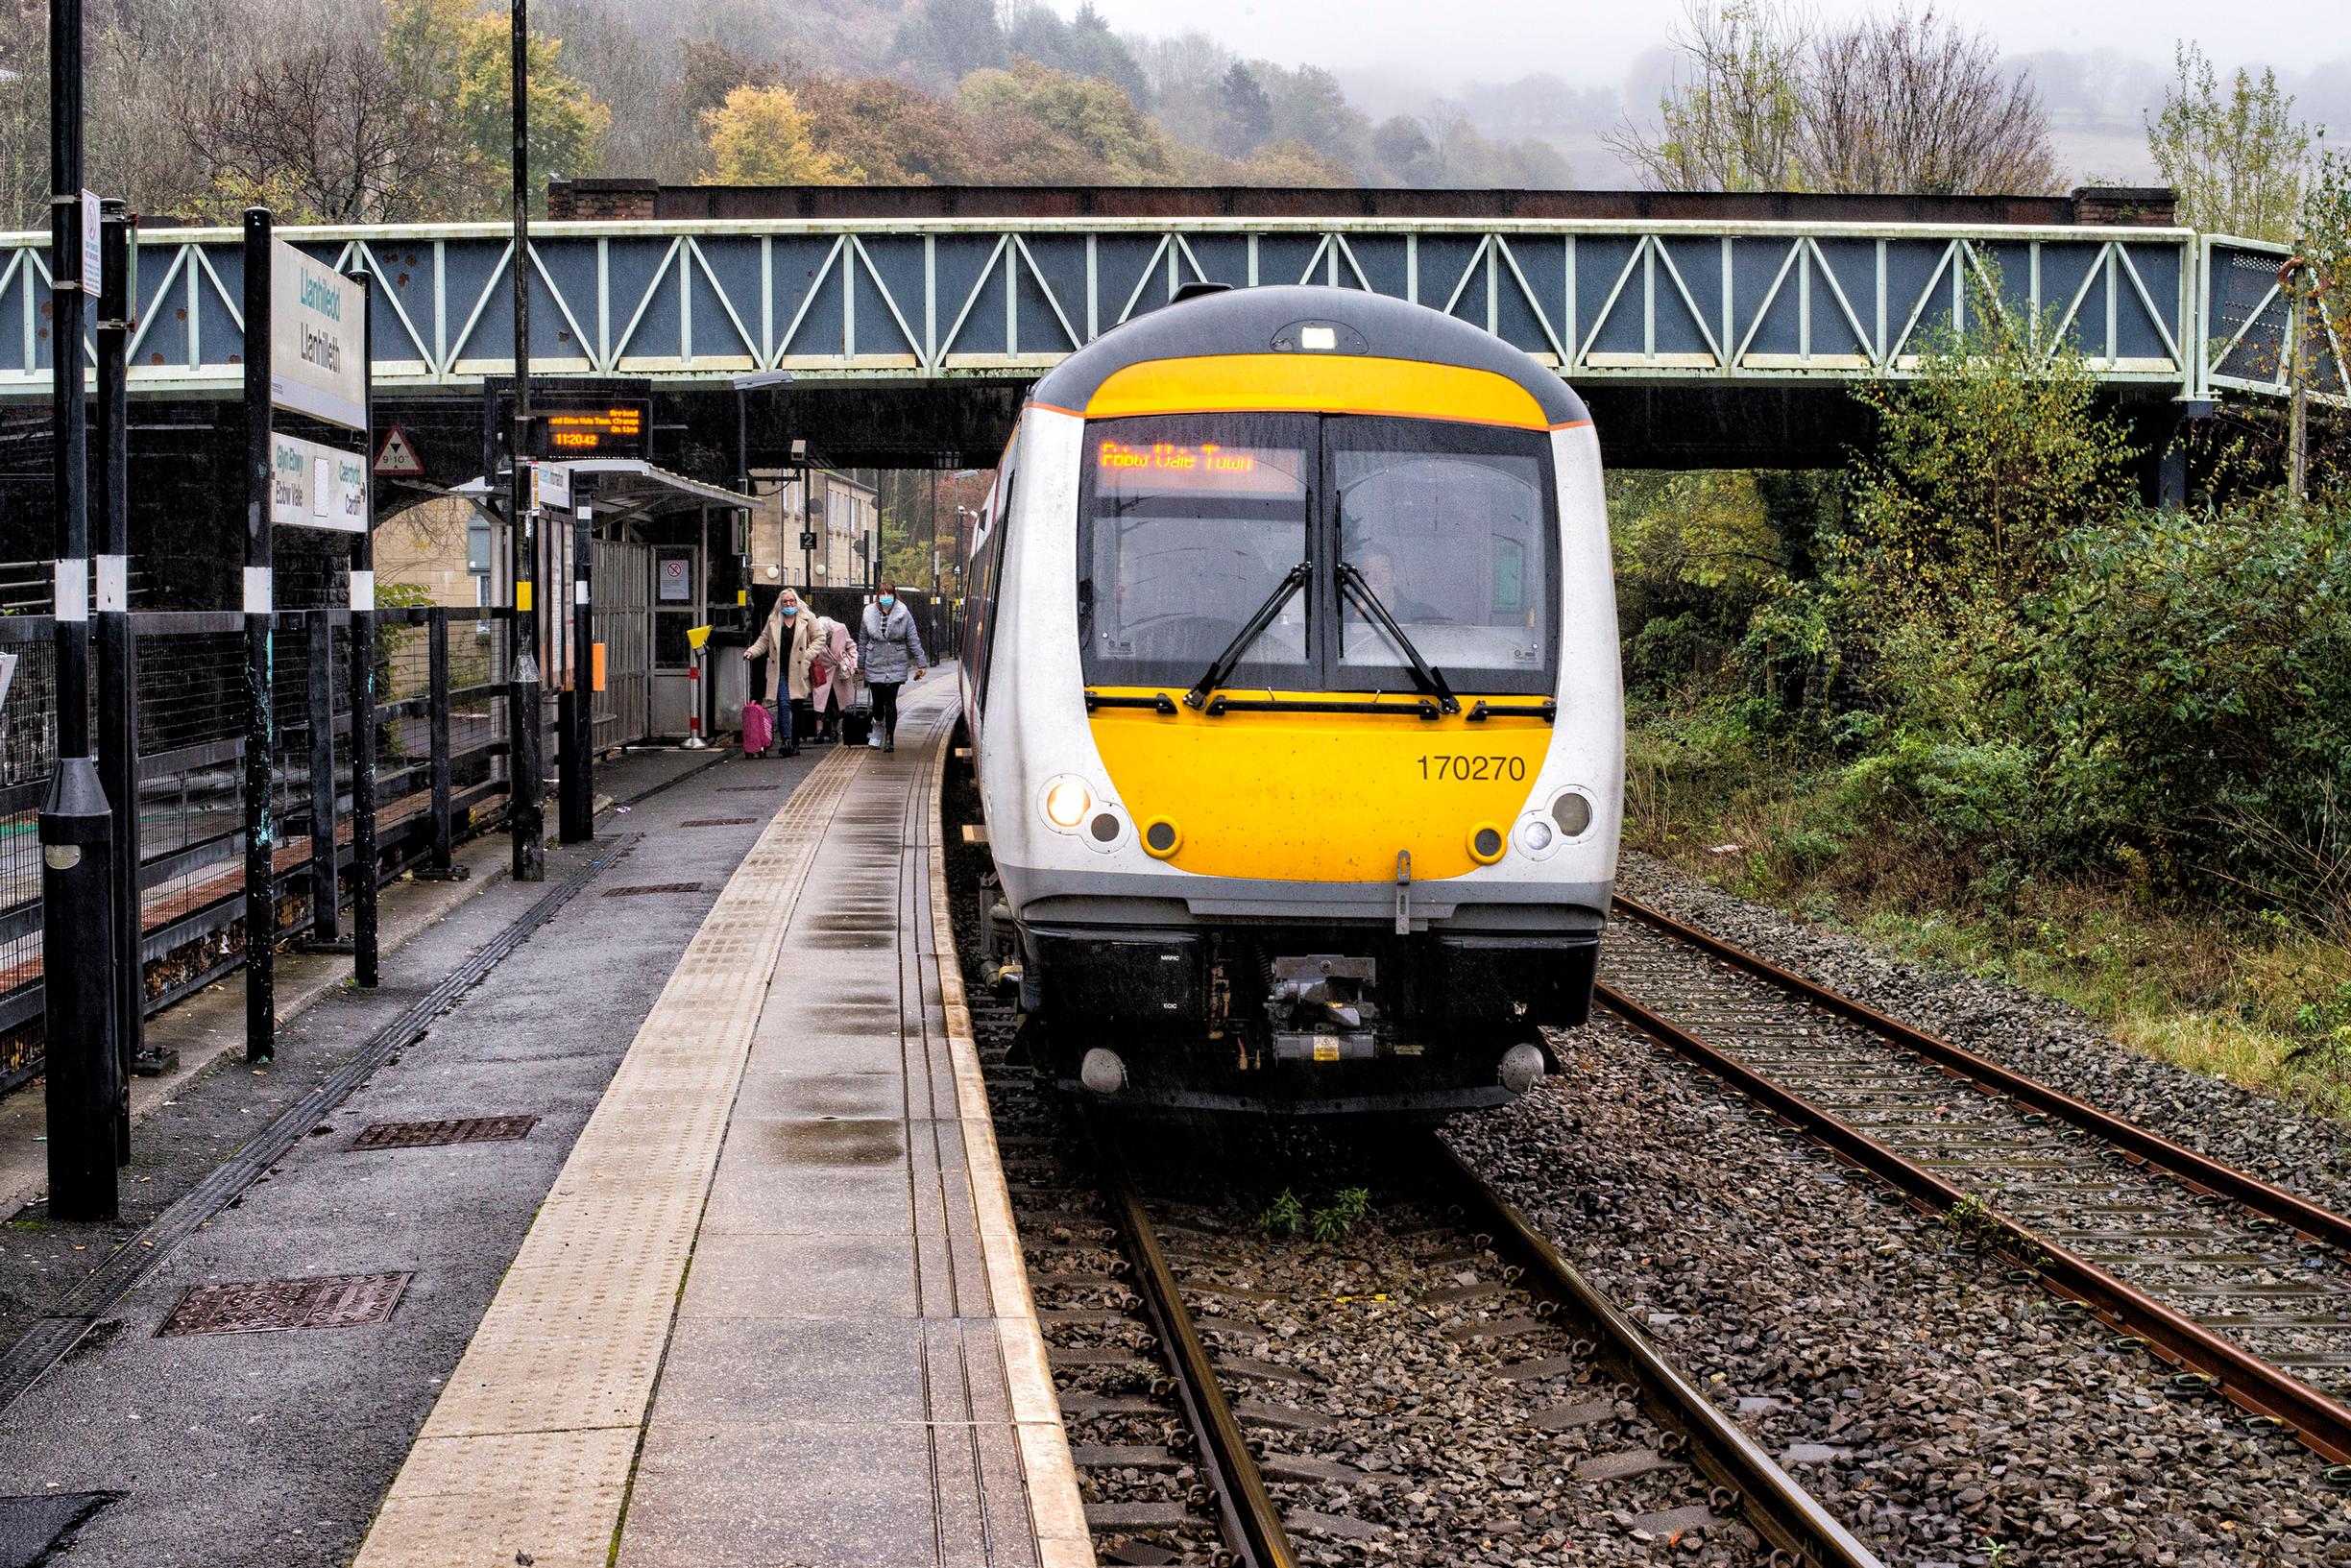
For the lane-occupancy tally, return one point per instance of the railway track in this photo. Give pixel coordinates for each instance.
(1194, 1366)
(2243, 1288)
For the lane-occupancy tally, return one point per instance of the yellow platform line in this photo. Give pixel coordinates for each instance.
(1056, 1509)
(526, 1456)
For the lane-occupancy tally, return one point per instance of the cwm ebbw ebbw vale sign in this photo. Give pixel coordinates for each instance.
(316, 319)
(317, 487)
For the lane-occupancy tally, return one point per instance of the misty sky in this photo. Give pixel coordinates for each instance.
(1591, 42)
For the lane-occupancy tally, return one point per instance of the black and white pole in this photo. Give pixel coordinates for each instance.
(366, 965)
(76, 828)
(117, 651)
(525, 772)
(261, 719)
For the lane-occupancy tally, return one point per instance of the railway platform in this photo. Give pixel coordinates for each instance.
(773, 1310)
(718, 1266)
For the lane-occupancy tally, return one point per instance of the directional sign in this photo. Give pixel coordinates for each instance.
(316, 487)
(397, 458)
(317, 322)
(550, 484)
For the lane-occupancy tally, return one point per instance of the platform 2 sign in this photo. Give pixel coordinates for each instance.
(318, 365)
(610, 427)
(317, 487)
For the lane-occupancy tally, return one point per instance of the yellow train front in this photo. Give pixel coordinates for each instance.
(1292, 677)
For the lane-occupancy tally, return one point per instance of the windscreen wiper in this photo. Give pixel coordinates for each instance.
(1226, 662)
(1432, 678)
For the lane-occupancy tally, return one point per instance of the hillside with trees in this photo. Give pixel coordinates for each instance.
(395, 110)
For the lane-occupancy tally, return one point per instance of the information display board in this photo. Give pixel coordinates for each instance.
(607, 427)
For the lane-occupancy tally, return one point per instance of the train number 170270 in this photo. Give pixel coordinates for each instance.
(1464, 766)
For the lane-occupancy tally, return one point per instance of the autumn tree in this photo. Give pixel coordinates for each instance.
(2238, 160)
(1904, 102)
(453, 59)
(1083, 46)
(1118, 141)
(1733, 117)
(1907, 102)
(897, 134)
(762, 137)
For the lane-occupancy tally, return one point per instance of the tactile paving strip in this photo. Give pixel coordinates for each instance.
(526, 1456)
(332, 1301)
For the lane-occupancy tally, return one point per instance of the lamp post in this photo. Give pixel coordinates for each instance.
(77, 826)
(523, 815)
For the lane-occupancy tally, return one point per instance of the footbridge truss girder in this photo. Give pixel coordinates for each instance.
(2166, 311)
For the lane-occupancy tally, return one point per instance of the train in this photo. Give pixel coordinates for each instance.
(1292, 690)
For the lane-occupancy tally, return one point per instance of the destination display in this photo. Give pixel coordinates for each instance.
(610, 427)
(317, 487)
(316, 321)
(1162, 465)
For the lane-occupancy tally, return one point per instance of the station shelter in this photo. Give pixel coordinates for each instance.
(667, 554)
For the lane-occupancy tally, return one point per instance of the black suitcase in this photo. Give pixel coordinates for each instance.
(857, 725)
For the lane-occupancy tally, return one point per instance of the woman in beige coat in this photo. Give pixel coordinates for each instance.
(789, 641)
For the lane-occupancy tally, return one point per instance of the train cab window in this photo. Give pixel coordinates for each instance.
(1189, 525)
(1449, 526)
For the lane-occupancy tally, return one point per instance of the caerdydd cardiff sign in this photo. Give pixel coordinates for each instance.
(316, 319)
(317, 487)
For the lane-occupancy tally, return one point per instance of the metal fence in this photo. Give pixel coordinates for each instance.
(441, 774)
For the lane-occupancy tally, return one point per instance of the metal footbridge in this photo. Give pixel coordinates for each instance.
(1659, 302)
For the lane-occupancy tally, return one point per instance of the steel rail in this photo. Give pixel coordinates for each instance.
(2199, 1171)
(1789, 1518)
(1247, 1506)
(2253, 1384)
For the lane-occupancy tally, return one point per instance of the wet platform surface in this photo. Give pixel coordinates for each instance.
(772, 1312)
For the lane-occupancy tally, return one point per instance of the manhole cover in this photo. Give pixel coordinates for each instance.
(473, 1129)
(653, 887)
(719, 822)
(263, 1306)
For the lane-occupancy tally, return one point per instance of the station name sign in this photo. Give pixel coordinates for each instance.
(317, 487)
(317, 363)
(613, 427)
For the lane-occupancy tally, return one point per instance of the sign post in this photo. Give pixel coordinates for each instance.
(306, 353)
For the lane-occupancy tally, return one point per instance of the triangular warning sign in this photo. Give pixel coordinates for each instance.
(397, 457)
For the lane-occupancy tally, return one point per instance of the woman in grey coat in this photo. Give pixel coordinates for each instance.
(888, 649)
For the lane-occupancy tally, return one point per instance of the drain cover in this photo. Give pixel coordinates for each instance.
(653, 887)
(263, 1306)
(719, 822)
(474, 1129)
(30, 1527)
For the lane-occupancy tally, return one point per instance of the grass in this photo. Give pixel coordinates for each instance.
(2246, 996)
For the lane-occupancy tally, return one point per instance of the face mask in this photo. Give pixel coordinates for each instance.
(790, 610)
(889, 599)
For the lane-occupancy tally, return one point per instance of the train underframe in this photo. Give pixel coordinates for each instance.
(1292, 1020)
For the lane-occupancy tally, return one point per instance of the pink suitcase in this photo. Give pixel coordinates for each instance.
(757, 729)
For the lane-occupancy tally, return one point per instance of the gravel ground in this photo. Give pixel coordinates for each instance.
(1948, 1417)
(2305, 1154)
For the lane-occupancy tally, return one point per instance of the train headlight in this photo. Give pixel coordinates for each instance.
(1067, 801)
(1535, 836)
(1572, 810)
